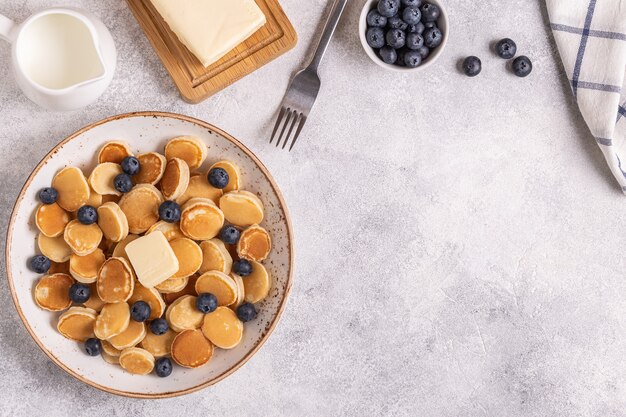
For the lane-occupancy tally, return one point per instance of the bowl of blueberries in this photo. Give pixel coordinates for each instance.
(403, 35)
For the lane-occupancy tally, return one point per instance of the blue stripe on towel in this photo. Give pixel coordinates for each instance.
(583, 45)
(598, 86)
(593, 33)
(605, 141)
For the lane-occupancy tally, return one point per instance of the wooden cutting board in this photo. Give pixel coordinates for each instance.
(196, 82)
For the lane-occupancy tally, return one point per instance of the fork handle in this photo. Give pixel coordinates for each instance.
(327, 34)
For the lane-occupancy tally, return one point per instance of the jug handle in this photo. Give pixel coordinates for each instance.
(6, 28)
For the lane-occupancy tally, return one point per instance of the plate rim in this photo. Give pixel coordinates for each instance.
(156, 114)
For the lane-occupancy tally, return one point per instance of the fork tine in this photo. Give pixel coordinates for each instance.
(282, 132)
(293, 124)
(300, 126)
(280, 118)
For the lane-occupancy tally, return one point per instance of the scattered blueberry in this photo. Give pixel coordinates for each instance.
(472, 66)
(93, 346)
(412, 15)
(412, 59)
(169, 212)
(522, 66)
(159, 326)
(433, 38)
(376, 20)
(246, 312)
(230, 234)
(414, 41)
(388, 8)
(123, 183)
(418, 28)
(40, 264)
(424, 52)
(242, 267)
(388, 55)
(206, 303)
(79, 293)
(375, 37)
(411, 3)
(218, 177)
(430, 12)
(130, 165)
(87, 215)
(395, 38)
(48, 195)
(140, 311)
(395, 22)
(163, 367)
(506, 48)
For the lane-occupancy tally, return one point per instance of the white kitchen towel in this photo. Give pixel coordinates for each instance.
(591, 36)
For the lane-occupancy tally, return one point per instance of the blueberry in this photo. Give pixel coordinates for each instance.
(159, 326)
(411, 3)
(430, 12)
(430, 25)
(230, 234)
(218, 177)
(87, 215)
(522, 66)
(48, 195)
(388, 55)
(206, 303)
(472, 66)
(418, 28)
(375, 37)
(396, 38)
(163, 367)
(414, 41)
(388, 8)
(412, 59)
(506, 48)
(411, 15)
(396, 22)
(424, 52)
(242, 267)
(376, 20)
(130, 165)
(433, 38)
(140, 311)
(246, 312)
(123, 183)
(93, 346)
(401, 52)
(79, 293)
(169, 212)
(40, 264)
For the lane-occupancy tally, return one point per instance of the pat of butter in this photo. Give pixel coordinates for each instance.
(152, 258)
(211, 28)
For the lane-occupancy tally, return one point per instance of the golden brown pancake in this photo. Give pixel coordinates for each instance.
(242, 208)
(172, 285)
(54, 248)
(112, 222)
(51, 219)
(152, 168)
(77, 323)
(116, 280)
(160, 345)
(73, 188)
(188, 148)
(52, 292)
(189, 257)
(83, 239)
(182, 314)
(241, 293)
(137, 361)
(220, 285)
(215, 257)
(201, 219)
(191, 349)
(85, 268)
(94, 302)
(199, 187)
(114, 151)
(223, 328)
(95, 199)
(132, 336)
(234, 175)
(102, 178)
(254, 244)
(141, 207)
(112, 320)
(257, 285)
(175, 179)
(150, 296)
(171, 231)
(190, 289)
(109, 353)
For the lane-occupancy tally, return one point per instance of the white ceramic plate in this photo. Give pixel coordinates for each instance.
(146, 132)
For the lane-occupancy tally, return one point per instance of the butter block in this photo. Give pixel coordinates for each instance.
(152, 259)
(211, 28)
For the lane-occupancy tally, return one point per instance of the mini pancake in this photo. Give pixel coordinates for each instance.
(199, 187)
(241, 293)
(74, 191)
(141, 207)
(120, 248)
(51, 219)
(190, 289)
(62, 267)
(109, 353)
(215, 257)
(113, 319)
(114, 151)
(218, 284)
(77, 323)
(152, 168)
(150, 296)
(103, 176)
(188, 148)
(112, 222)
(257, 285)
(52, 292)
(182, 314)
(254, 244)
(189, 257)
(242, 208)
(131, 337)
(83, 239)
(223, 328)
(191, 349)
(160, 345)
(94, 302)
(175, 179)
(137, 361)
(85, 268)
(116, 280)
(95, 199)
(172, 285)
(54, 248)
(171, 231)
(201, 219)
(234, 175)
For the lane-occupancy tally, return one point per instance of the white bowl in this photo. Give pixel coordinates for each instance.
(442, 23)
(145, 132)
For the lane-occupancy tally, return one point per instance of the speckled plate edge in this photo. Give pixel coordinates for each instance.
(272, 325)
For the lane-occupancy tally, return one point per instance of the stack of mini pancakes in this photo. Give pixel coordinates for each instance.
(96, 255)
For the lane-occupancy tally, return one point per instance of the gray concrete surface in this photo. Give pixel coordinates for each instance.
(460, 242)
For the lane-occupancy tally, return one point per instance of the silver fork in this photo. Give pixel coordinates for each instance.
(305, 86)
